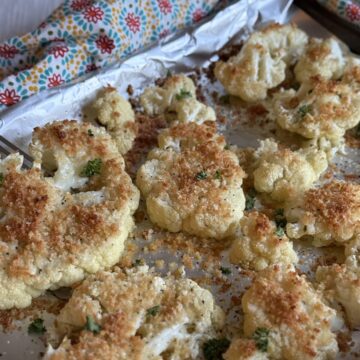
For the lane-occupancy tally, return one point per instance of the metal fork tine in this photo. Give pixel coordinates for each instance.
(15, 148)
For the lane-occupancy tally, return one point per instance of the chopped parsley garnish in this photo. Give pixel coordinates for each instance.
(137, 262)
(227, 147)
(183, 94)
(225, 99)
(1, 178)
(37, 327)
(214, 348)
(280, 221)
(91, 325)
(90, 133)
(250, 200)
(202, 175)
(92, 167)
(225, 270)
(261, 338)
(153, 310)
(304, 109)
(218, 175)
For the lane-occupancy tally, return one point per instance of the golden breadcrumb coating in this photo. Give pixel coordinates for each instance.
(330, 214)
(140, 315)
(244, 349)
(177, 100)
(341, 283)
(258, 244)
(262, 61)
(322, 108)
(324, 58)
(51, 237)
(296, 319)
(197, 188)
(117, 115)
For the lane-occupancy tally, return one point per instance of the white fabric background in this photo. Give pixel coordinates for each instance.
(18, 17)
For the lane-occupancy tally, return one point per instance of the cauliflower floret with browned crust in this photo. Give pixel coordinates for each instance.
(258, 244)
(139, 316)
(117, 115)
(341, 283)
(196, 188)
(244, 349)
(329, 214)
(290, 314)
(283, 174)
(52, 237)
(261, 63)
(324, 58)
(322, 108)
(177, 100)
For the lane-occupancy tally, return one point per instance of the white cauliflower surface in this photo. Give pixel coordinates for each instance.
(177, 100)
(55, 230)
(259, 245)
(244, 349)
(287, 318)
(284, 174)
(117, 115)
(262, 62)
(194, 184)
(137, 315)
(329, 214)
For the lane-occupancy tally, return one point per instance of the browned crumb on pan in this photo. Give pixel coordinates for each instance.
(352, 140)
(148, 130)
(51, 305)
(344, 341)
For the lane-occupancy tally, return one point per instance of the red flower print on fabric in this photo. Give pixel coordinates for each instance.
(79, 5)
(55, 80)
(9, 97)
(59, 51)
(105, 44)
(133, 22)
(93, 14)
(90, 68)
(197, 15)
(7, 51)
(165, 6)
(353, 12)
(164, 33)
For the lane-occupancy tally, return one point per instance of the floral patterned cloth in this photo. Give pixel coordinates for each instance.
(347, 9)
(82, 36)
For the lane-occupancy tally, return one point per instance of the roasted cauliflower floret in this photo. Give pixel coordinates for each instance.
(259, 245)
(341, 283)
(287, 318)
(326, 108)
(51, 237)
(244, 349)
(138, 315)
(196, 188)
(284, 174)
(330, 214)
(117, 115)
(324, 58)
(261, 63)
(177, 100)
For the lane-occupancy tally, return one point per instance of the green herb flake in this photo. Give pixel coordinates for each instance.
(250, 200)
(1, 178)
(261, 338)
(168, 73)
(225, 99)
(91, 325)
(90, 133)
(218, 175)
(280, 232)
(227, 147)
(304, 109)
(153, 310)
(92, 167)
(138, 262)
(214, 348)
(183, 94)
(202, 175)
(225, 270)
(37, 327)
(280, 222)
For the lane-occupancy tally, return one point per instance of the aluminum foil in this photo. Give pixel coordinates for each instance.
(192, 49)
